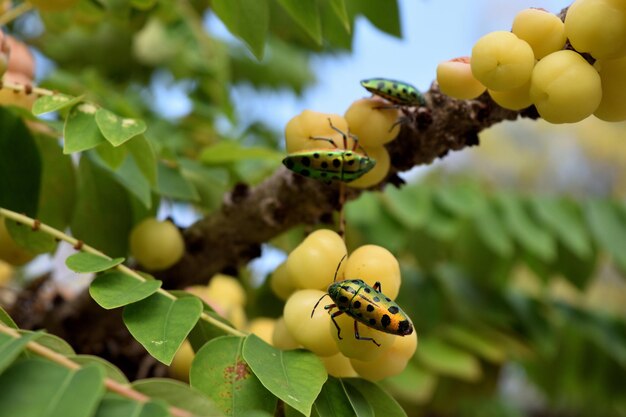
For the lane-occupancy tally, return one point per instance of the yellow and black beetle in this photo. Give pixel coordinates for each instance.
(367, 305)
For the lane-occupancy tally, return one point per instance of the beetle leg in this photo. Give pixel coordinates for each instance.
(377, 286)
(358, 337)
(332, 317)
(324, 139)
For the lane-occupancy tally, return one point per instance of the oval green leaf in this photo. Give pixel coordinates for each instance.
(117, 129)
(84, 262)
(161, 324)
(177, 394)
(81, 131)
(116, 289)
(54, 102)
(220, 372)
(294, 376)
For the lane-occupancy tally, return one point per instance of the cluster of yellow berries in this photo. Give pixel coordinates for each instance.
(372, 125)
(304, 278)
(529, 65)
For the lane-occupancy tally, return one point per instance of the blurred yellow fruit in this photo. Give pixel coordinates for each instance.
(612, 72)
(380, 170)
(372, 125)
(281, 338)
(263, 327)
(309, 124)
(226, 290)
(515, 99)
(181, 364)
(312, 264)
(544, 31)
(372, 264)
(281, 283)
(10, 251)
(455, 79)
(502, 61)
(384, 366)
(156, 245)
(6, 272)
(339, 366)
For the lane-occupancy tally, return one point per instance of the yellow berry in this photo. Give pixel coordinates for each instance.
(502, 61)
(236, 315)
(350, 346)
(339, 366)
(372, 264)
(312, 264)
(382, 367)
(597, 27)
(10, 251)
(281, 283)
(5, 51)
(227, 290)
(310, 332)
(515, 99)
(544, 31)
(455, 79)
(380, 170)
(6, 272)
(371, 124)
(263, 327)
(281, 338)
(565, 88)
(156, 245)
(181, 364)
(310, 124)
(612, 72)
(391, 362)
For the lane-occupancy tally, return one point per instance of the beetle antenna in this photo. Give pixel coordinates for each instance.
(338, 266)
(316, 304)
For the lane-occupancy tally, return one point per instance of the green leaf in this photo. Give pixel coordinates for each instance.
(114, 405)
(475, 342)
(177, 394)
(58, 184)
(381, 402)
(333, 401)
(384, 14)
(20, 166)
(294, 376)
(38, 387)
(608, 229)
(81, 131)
(111, 156)
(110, 371)
(103, 213)
(117, 129)
(84, 262)
(130, 177)
(339, 7)
(411, 206)
(220, 372)
(35, 241)
(6, 319)
(230, 151)
(307, 14)
(248, 20)
(171, 183)
(528, 234)
(493, 232)
(448, 360)
(562, 217)
(116, 289)
(52, 342)
(145, 159)
(161, 324)
(460, 199)
(10, 347)
(57, 101)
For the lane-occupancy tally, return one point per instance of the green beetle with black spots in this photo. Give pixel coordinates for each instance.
(367, 305)
(396, 92)
(328, 164)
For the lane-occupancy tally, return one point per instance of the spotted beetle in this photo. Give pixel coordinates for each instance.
(397, 92)
(330, 164)
(367, 305)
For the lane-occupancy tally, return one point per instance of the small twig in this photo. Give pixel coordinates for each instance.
(15, 12)
(79, 245)
(26, 89)
(110, 384)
